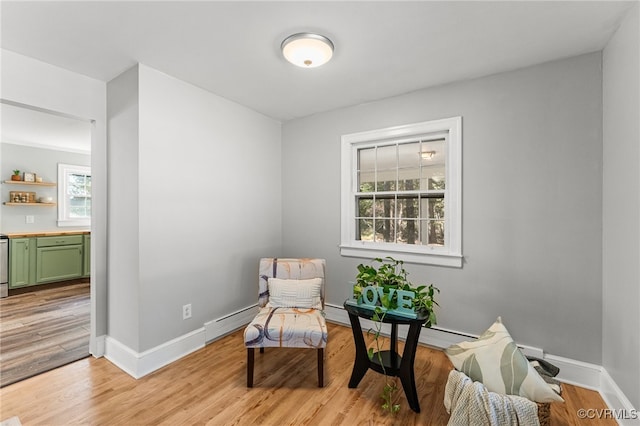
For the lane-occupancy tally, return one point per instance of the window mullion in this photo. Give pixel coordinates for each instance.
(374, 225)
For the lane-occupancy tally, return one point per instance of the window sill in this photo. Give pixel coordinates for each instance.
(422, 257)
(65, 223)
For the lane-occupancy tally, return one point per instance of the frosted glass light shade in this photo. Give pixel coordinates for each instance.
(307, 50)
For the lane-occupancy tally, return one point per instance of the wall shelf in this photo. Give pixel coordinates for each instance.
(30, 204)
(21, 182)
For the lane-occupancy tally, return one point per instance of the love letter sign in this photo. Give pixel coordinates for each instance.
(371, 296)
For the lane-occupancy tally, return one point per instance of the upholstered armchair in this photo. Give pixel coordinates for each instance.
(291, 303)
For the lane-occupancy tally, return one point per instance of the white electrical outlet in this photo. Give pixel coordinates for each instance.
(30, 219)
(186, 311)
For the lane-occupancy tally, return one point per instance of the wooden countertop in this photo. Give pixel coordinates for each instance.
(45, 233)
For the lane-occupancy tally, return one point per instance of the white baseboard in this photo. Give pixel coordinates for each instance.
(122, 356)
(97, 346)
(140, 364)
(337, 314)
(624, 411)
(574, 372)
(229, 323)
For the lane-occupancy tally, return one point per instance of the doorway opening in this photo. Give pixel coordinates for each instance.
(46, 317)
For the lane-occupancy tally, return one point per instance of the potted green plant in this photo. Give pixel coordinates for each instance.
(386, 289)
(16, 175)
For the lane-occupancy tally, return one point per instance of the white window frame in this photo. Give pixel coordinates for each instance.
(448, 255)
(63, 202)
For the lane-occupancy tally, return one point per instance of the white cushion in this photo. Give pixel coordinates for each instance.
(289, 293)
(287, 328)
(495, 360)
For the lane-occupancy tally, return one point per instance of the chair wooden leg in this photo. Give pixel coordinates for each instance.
(250, 358)
(321, 367)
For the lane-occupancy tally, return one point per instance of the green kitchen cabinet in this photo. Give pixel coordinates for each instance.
(59, 258)
(22, 260)
(87, 255)
(48, 259)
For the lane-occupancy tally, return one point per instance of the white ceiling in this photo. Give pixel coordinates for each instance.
(382, 48)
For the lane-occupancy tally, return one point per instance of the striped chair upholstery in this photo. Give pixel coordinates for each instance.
(292, 326)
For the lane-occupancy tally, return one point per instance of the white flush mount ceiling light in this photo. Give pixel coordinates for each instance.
(307, 50)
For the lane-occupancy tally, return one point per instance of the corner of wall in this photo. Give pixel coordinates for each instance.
(621, 209)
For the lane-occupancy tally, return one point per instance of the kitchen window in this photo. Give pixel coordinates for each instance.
(401, 193)
(74, 195)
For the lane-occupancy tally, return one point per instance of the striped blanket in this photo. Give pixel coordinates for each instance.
(470, 403)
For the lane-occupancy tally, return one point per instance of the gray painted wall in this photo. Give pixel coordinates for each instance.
(43, 162)
(532, 196)
(621, 208)
(201, 206)
(124, 263)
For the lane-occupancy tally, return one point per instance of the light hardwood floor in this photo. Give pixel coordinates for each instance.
(209, 387)
(43, 329)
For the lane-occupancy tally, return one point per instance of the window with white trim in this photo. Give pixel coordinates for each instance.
(74, 195)
(401, 193)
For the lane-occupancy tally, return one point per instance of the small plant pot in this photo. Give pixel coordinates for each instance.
(15, 177)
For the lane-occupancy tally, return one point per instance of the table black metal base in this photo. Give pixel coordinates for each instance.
(394, 364)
